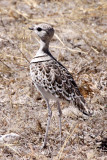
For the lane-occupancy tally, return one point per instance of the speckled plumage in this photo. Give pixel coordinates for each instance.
(51, 78)
(57, 81)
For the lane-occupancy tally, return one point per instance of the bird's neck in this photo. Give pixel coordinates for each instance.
(44, 46)
(44, 49)
(43, 53)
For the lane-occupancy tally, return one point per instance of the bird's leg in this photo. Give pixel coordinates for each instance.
(60, 127)
(48, 123)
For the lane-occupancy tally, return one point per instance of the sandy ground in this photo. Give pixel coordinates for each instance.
(79, 43)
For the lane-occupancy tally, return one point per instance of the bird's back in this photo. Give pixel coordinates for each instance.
(56, 80)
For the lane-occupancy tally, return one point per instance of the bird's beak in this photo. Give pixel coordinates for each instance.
(31, 28)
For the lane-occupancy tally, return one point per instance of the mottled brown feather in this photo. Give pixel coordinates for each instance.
(57, 81)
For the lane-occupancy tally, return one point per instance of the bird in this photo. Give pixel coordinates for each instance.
(52, 79)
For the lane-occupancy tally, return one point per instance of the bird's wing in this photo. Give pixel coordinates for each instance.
(56, 79)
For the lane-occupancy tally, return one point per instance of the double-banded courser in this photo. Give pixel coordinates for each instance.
(51, 78)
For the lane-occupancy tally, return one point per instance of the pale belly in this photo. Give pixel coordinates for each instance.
(46, 94)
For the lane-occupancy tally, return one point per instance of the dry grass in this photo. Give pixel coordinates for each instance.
(80, 44)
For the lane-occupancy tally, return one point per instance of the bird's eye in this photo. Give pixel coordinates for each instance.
(39, 29)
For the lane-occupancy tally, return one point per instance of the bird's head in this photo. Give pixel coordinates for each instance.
(44, 31)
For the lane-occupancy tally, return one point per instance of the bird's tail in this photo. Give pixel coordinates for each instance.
(79, 102)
